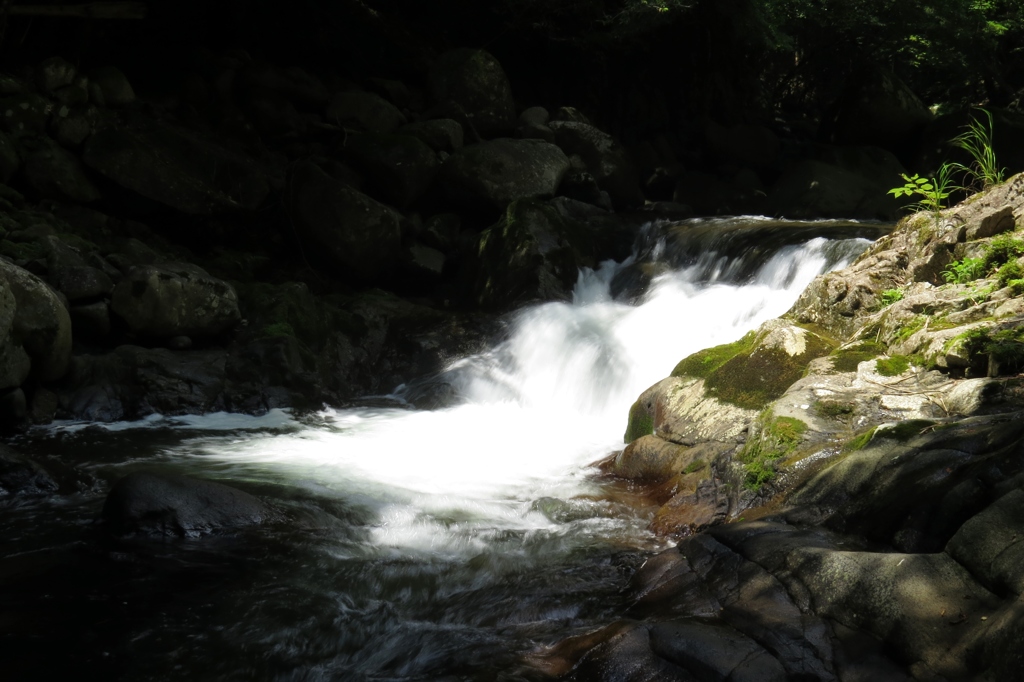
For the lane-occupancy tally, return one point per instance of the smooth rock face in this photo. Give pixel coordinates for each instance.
(490, 175)
(349, 229)
(475, 82)
(175, 299)
(170, 505)
(604, 159)
(175, 167)
(40, 322)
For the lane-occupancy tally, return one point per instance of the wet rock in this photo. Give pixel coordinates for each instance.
(398, 168)
(175, 167)
(474, 81)
(40, 322)
(55, 173)
(441, 135)
(714, 652)
(171, 505)
(349, 229)
(604, 159)
(652, 459)
(531, 253)
(490, 175)
(20, 475)
(364, 111)
(175, 299)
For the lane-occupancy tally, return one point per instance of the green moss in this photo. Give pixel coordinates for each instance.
(1002, 249)
(778, 439)
(1009, 272)
(640, 423)
(892, 366)
(278, 329)
(833, 409)
(890, 296)
(915, 325)
(702, 363)
(22, 251)
(861, 441)
(847, 359)
(695, 465)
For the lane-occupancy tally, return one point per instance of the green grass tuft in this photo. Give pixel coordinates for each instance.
(892, 366)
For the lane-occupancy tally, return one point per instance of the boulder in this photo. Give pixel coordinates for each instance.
(40, 322)
(10, 160)
(54, 73)
(364, 111)
(294, 84)
(20, 475)
(441, 135)
(110, 87)
(490, 175)
(172, 505)
(80, 282)
(71, 127)
(55, 173)
(25, 114)
(174, 299)
(532, 253)
(474, 81)
(604, 159)
(813, 189)
(347, 228)
(178, 168)
(90, 322)
(398, 168)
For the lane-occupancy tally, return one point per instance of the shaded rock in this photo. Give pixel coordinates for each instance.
(349, 229)
(25, 114)
(112, 86)
(398, 168)
(442, 232)
(812, 189)
(294, 84)
(652, 459)
(604, 159)
(175, 167)
(175, 299)
(171, 505)
(40, 322)
(10, 160)
(878, 108)
(714, 652)
(990, 545)
(56, 173)
(81, 282)
(15, 364)
(71, 127)
(364, 111)
(441, 135)
(490, 175)
(91, 322)
(20, 475)
(476, 83)
(531, 253)
(420, 263)
(54, 73)
(747, 145)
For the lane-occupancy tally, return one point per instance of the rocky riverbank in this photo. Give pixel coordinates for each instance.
(844, 483)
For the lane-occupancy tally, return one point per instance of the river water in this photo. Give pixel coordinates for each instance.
(421, 545)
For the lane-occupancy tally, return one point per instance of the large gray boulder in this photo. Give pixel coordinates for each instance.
(347, 228)
(175, 167)
(533, 252)
(170, 505)
(474, 81)
(490, 175)
(38, 322)
(398, 168)
(604, 158)
(175, 299)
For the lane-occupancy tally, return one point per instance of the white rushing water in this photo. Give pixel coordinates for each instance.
(537, 409)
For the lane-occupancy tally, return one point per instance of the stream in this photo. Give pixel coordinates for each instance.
(420, 545)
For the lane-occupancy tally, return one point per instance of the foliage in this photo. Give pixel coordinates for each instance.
(977, 141)
(890, 296)
(933, 191)
(1005, 348)
(279, 329)
(964, 271)
(1010, 273)
(912, 327)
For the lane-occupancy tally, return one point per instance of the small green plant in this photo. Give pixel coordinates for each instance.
(1009, 272)
(890, 296)
(933, 191)
(913, 326)
(964, 271)
(976, 140)
(892, 366)
(278, 329)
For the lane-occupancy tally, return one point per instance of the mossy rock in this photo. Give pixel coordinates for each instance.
(641, 423)
(757, 369)
(779, 437)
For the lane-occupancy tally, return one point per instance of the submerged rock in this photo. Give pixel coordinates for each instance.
(171, 505)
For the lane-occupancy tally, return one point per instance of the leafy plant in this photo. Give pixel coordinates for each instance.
(933, 191)
(890, 296)
(964, 271)
(977, 141)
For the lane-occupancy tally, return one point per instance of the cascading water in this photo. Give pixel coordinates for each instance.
(425, 543)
